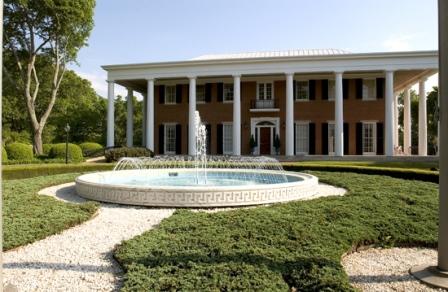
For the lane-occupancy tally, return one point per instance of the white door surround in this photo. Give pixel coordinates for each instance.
(266, 122)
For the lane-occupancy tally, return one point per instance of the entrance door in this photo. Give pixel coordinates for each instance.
(265, 141)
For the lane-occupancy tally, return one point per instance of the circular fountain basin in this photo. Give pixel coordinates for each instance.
(180, 188)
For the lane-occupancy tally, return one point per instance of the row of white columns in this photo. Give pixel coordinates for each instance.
(391, 116)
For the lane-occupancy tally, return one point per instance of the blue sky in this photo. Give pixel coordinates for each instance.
(159, 30)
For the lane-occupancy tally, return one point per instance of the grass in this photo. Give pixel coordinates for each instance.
(28, 217)
(297, 245)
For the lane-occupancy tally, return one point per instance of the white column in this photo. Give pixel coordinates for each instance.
(144, 102)
(289, 136)
(236, 115)
(422, 121)
(150, 116)
(407, 141)
(389, 114)
(339, 115)
(130, 120)
(396, 136)
(110, 114)
(191, 114)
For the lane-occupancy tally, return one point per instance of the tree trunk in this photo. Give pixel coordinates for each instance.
(37, 142)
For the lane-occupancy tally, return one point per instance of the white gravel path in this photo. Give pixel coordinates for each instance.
(80, 258)
(378, 269)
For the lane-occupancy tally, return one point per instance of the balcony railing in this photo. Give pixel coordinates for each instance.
(264, 104)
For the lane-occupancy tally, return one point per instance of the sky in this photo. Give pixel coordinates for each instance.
(134, 31)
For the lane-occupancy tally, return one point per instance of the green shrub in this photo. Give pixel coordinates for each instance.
(91, 149)
(4, 155)
(19, 151)
(114, 154)
(74, 152)
(46, 148)
(34, 170)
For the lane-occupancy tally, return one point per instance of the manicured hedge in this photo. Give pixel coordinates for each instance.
(74, 152)
(404, 173)
(91, 149)
(4, 155)
(33, 170)
(114, 154)
(19, 151)
(46, 148)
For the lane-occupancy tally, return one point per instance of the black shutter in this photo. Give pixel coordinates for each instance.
(162, 94)
(346, 139)
(358, 138)
(178, 139)
(312, 138)
(208, 128)
(161, 138)
(324, 139)
(312, 89)
(220, 91)
(208, 92)
(380, 88)
(379, 139)
(325, 89)
(294, 140)
(294, 91)
(179, 93)
(219, 139)
(359, 88)
(345, 88)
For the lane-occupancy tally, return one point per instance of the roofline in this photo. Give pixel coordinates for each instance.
(349, 56)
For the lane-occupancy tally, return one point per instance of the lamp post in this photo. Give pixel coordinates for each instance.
(67, 129)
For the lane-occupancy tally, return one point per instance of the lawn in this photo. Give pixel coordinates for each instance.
(28, 217)
(277, 248)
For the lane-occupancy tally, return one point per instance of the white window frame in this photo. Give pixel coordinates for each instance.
(225, 150)
(167, 88)
(306, 138)
(331, 89)
(373, 124)
(200, 88)
(225, 89)
(371, 90)
(165, 137)
(296, 95)
(264, 90)
(331, 146)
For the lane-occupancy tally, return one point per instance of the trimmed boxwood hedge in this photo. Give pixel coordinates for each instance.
(74, 152)
(114, 154)
(33, 170)
(91, 149)
(46, 148)
(19, 151)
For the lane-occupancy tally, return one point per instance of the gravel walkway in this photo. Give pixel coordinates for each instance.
(383, 270)
(81, 258)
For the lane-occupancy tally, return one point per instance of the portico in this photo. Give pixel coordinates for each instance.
(337, 91)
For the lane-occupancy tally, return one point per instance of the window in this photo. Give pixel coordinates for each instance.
(302, 137)
(302, 90)
(200, 93)
(331, 89)
(228, 92)
(227, 138)
(331, 138)
(170, 94)
(368, 89)
(264, 91)
(368, 138)
(170, 139)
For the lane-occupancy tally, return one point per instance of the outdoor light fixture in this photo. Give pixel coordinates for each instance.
(67, 129)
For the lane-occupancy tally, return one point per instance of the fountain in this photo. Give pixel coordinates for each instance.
(197, 181)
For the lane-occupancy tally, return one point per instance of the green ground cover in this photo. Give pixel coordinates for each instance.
(297, 245)
(28, 217)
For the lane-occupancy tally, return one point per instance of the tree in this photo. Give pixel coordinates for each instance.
(51, 30)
